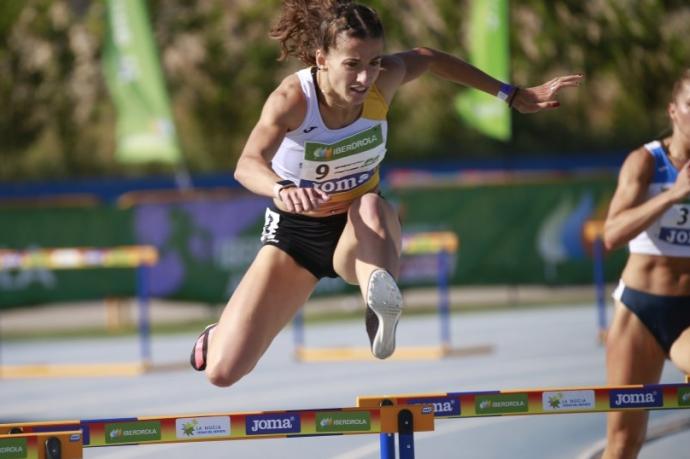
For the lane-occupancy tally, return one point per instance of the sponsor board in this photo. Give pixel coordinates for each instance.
(132, 432)
(343, 421)
(13, 448)
(266, 424)
(636, 398)
(202, 427)
(568, 400)
(501, 403)
(443, 406)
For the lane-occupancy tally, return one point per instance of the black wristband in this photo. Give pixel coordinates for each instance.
(280, 185)
(512, 97)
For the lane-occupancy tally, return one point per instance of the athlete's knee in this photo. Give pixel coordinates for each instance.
(225, 374)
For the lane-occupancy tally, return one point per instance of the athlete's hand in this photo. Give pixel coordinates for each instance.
(681, 188)
(301, 200)
(543, 97)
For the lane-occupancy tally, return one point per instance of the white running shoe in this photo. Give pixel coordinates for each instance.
(384, 306)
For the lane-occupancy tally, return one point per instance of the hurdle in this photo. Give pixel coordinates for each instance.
(539, 401)
(443, 245)
(593, 232)
(140, 257)
(73, 436)
(385, 415)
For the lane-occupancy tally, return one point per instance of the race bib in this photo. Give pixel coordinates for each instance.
(675, 225)
(344, 165)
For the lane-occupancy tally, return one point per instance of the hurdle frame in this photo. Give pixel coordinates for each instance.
(650, 397)
(385, 415)
(140, 257)
(593, 231)
(228, 426)
(440, 243)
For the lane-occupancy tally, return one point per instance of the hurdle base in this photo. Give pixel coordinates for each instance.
(340, 354)
(87, 370)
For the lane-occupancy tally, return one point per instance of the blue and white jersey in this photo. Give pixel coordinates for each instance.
(669, 235)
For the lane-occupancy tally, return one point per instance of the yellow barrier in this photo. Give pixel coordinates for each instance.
(141, 257)
(222, 426)
(342, 354)
(559, 400)
(79, 258)
(81, 370)
(440, 243)
(385, 415)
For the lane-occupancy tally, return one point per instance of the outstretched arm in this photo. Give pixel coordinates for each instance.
(414, 63)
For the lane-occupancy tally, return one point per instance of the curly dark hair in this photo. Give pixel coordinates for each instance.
(305, 26)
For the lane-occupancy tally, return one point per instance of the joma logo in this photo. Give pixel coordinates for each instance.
(635, 399)
(442, 406)
(270, 424)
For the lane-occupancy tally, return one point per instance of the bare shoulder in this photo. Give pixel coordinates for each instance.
(287, 104)
(639, 164)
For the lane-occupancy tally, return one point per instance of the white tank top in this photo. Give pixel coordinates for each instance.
(669, 235)
(342, 162)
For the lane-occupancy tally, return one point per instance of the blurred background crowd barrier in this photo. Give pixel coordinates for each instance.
(519, 228)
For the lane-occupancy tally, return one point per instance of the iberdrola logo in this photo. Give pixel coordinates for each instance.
(684, 396)
(115, 433)
(325, 422)
(323, 153)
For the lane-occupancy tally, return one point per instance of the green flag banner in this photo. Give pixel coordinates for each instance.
(145, 130)
(489, 51)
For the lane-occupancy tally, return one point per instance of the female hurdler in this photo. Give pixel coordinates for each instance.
(316, 151)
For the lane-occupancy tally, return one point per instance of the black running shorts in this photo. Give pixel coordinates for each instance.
(310, 241)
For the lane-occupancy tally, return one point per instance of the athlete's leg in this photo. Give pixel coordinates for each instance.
(371, 240)
(269, 295)
(368, 254)
(680, 352)
(633, 356)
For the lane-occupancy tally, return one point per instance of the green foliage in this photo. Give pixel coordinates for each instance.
(220, 65)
